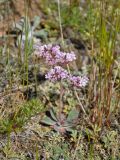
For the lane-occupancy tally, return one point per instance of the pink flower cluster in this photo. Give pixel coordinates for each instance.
(53, 56)
(79, 81)
(57, 73)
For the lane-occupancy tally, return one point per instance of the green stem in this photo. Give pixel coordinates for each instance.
(61, 102)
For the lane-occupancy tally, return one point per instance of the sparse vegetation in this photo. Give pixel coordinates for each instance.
(49, 109)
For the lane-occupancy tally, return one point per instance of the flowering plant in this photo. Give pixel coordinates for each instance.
(55, 58)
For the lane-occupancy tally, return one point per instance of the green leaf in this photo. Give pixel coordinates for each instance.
(46, 120)
(36, 21)
(73, 114)
(69, 129)
(42, 34)
(53, 115)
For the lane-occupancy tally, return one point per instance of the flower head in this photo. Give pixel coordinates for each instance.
(78, 81)
(41, 50)
(53, 55)
(57, 73)
(67, 57)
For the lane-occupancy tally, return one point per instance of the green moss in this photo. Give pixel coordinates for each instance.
(18, 119)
